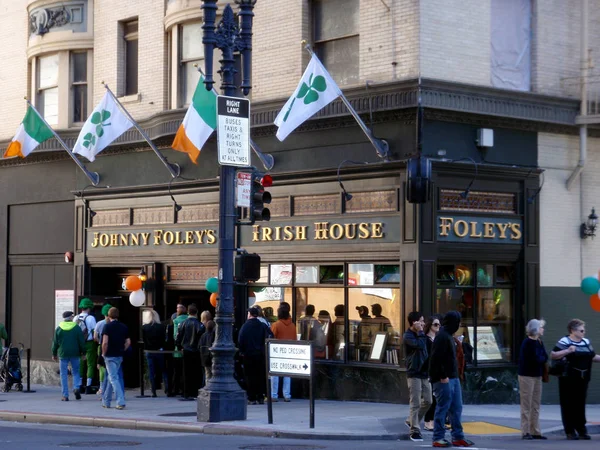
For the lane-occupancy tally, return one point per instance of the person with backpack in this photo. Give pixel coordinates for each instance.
(87, 323)
(415, 349)
(68, 346)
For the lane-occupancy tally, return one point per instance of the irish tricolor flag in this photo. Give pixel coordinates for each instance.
(198, 124)
(31, 133)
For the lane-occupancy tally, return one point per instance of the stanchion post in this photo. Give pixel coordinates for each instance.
(28, 370)
(269, 397)
(142, 370)
(312, 396)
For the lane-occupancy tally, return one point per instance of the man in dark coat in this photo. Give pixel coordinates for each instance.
(443, 373)
(251, 342)
(188, 338)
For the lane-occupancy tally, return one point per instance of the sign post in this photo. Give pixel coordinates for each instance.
(287, 358)
(233, 131)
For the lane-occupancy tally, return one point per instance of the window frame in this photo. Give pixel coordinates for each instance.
(73, 83)
(130, 36)
(40, 91)
(181, 66)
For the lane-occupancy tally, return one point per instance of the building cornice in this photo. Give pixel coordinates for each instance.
(388, 101)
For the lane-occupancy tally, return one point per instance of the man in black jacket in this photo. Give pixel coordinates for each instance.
(188, 338)
(443, 373)
(415, 349)
(251, 342)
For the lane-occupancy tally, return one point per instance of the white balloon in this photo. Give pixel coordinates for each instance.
(137, 298)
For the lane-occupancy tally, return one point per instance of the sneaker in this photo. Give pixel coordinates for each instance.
(441, 443)
(120, 407)
(287, 400)
(77, 394)
(538, 436)
(428, 426)
(89, 390)
(463, 443)
(527, 437)
(572, 437)
(252, 402)
(585, 437)
(64, 399)
(105, 406)
(274, 399)
(415, 436)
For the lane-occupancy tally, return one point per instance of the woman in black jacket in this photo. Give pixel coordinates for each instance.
(532, 358)
(432, 326)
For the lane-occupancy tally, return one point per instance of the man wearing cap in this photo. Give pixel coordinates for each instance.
(67, 346)
(87, 323)
(115, 341)
(252, 348)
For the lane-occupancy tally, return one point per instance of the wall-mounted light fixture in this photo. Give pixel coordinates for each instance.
(588, 229)
(142, 276)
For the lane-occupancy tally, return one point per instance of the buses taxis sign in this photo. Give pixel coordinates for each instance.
(291, 359)
(233, 131)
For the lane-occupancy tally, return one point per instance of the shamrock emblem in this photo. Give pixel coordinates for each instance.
(310, 92)
(99, 119)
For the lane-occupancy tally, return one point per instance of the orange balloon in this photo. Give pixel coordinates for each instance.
(133, 283)
(595, 302)
(213, 299)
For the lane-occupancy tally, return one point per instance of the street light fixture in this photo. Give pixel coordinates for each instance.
(222, 398)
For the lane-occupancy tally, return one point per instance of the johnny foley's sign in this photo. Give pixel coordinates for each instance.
(154, 237)
(480, 229)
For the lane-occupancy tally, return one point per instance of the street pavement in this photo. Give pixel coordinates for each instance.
(333, 419)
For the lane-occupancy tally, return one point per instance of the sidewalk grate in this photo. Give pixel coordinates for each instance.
(85, 444)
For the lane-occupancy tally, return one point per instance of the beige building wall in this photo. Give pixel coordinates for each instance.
(565, 257)
(13, 70)
(455, 40)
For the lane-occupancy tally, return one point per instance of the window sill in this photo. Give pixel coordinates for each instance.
(133, 98)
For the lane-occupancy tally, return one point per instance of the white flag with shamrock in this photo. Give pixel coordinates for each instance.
(315, 91)
(106, 124)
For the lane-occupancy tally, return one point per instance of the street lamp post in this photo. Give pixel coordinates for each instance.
(222, 399)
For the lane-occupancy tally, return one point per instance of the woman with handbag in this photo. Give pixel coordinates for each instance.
(572, 361)
(532, 359)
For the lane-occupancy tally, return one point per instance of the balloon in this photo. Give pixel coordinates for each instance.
(590, 285)
(137, 298)
(212, 285)
(213, 299)
(133, 283)
(595, 302)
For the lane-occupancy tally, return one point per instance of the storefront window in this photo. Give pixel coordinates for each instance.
(486, 304)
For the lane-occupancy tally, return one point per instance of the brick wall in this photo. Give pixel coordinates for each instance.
(565, 258)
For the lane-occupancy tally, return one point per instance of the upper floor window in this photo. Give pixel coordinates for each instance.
(336, 38)
(191, 52)
(130, 35)
(47, 87)
(79, 87)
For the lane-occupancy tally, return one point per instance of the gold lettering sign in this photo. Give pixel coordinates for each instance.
(157, 237)
(479, 229)
(322, 231)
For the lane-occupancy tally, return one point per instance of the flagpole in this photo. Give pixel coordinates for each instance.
(172, 167)
(267, 160)
(381, 146)
(92, 176)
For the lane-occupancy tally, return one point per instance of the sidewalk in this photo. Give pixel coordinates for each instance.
(333, 419)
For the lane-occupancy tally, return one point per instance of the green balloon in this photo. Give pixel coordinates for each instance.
(212, 285)
(590, 285)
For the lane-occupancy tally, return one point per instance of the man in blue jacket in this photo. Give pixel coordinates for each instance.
(415, 349)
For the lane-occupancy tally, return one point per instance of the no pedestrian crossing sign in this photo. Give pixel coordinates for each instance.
(233, 131)
(293, 359)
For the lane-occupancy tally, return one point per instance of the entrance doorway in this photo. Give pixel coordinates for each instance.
(186, 297)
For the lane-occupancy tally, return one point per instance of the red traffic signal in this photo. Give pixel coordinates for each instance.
(266, 181)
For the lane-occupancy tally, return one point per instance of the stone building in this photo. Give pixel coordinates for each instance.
(499, 240)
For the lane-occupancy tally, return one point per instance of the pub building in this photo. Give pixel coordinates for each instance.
(364, 258)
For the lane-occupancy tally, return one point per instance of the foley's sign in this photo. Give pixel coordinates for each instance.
(153, 238)
(480, 229)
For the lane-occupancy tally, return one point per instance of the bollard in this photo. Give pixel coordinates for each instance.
(28, 371)
(141, 372)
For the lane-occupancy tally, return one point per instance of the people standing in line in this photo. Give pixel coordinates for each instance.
(573, 383)
(205, 317)
(153, 335)
(443, 374)
(68, 346)
(177, 383)
(251, 342)
(263, 319)
(98, 339)
(87, 323)
(432, 326)
(284, 328)
(206, 342)
(188, 339)
(3, 337)
(415, 349)
(532, 359)
(115, 341)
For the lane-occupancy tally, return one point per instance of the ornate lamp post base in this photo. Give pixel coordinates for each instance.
(221, 406)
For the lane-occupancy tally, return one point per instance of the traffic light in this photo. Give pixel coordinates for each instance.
(418, 180)
(246, 267)
(259, 197)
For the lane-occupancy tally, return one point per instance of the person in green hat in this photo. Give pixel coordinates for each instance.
(87, 323)
(67, 346)
(98, 339)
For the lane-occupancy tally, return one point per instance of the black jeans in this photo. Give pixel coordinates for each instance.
(572, 392)
(192, 373)
(254, 373)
